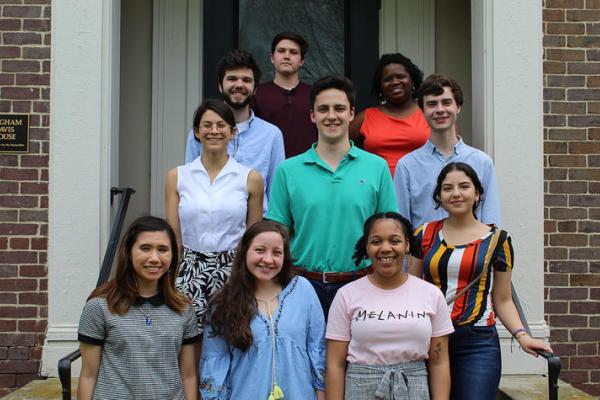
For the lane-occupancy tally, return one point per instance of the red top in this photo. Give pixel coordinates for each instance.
(290, 111)
(392, 138)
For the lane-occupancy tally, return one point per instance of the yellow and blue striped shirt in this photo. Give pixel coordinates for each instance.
(452, 267)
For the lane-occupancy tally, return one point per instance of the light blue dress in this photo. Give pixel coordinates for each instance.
(227, 372)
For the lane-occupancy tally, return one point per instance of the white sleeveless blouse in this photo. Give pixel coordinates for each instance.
(212, 217)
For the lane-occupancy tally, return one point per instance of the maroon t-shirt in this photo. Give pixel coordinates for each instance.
(289, 110)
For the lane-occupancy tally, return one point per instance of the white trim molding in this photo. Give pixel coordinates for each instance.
(507, 65)
(83, 79)
(506, 59)
(482, 74)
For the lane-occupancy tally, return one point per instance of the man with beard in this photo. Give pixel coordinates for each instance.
(257, 144)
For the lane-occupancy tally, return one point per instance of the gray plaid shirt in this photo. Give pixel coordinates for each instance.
(139, 360)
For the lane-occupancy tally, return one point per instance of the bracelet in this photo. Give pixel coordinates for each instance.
(517, 331)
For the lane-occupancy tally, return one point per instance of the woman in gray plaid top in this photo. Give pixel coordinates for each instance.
(137, 333)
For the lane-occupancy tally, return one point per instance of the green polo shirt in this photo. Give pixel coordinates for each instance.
(326, 210)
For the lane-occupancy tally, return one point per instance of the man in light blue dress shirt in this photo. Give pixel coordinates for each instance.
(257, 144)
(441, 99)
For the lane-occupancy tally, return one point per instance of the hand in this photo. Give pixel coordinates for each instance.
(530, 345)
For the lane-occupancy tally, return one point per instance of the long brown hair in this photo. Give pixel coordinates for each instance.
(121, 291)
(234, 306)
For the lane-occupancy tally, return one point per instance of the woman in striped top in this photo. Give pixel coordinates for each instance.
(454, 252)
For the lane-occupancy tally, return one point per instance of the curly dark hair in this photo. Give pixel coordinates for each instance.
(234, 306)
(235, 59)
(416, 75)
(360, 249)
(457, 166)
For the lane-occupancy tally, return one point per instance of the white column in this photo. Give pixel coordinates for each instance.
(81, 127)
(506, 43)
(507, 117)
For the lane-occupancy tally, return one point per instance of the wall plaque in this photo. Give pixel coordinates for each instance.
(14, 133)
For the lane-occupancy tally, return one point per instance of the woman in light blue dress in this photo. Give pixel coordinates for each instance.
(265, 338)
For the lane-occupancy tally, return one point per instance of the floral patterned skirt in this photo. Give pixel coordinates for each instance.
(201, 275)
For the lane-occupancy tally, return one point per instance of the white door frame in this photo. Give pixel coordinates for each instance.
(507, 64)
(507, 49)
(507, 54)
(506, 43)
(84, 99)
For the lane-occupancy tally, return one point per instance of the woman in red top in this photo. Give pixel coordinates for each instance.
(396, 126)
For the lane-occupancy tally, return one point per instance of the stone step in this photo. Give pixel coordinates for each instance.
(526, 387)
(511, 388)
(42, 389)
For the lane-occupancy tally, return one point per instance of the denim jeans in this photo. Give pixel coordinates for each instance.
(326, 292)
(475, 363)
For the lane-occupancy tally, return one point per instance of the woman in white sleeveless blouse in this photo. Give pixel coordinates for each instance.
(209, 203)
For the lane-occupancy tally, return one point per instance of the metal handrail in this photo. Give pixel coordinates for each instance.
(553, 360)
(64, 364)
(115, 234)
(64, 372)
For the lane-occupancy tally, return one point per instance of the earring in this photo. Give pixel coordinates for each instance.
(406, 264)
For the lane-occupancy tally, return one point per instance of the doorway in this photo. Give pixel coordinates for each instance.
(343, 37)
(169, 49)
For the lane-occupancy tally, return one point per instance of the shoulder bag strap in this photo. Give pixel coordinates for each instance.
(487, 262)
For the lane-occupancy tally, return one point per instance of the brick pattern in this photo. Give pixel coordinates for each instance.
(24, 89)
(572, 186)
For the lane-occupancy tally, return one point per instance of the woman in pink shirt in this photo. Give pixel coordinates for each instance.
(383, 327)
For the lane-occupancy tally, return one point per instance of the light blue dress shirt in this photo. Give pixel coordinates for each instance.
(257, 145)
(416, 175)
(226, 372)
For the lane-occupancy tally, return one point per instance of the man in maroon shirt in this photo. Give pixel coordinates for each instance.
(284, 101)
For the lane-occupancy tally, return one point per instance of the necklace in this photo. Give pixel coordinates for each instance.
(276, 392)
(148, 318)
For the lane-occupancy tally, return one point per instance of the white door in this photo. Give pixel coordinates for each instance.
(176, 87)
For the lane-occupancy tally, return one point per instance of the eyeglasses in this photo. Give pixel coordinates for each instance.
(209, 127)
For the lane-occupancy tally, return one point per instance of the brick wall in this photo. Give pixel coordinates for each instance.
(572, 186)
(24, 89)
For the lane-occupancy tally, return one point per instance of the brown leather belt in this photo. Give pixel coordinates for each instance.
(333, 277)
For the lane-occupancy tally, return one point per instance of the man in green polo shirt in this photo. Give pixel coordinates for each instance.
(325, 194)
